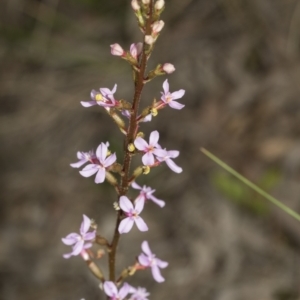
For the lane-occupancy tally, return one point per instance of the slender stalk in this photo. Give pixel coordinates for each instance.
(132, 129)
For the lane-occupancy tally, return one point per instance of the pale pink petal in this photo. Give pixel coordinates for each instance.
(110, 288)
(173, 166)
(100, 177)
(144, 260)
(88, 103)
(140, 223)
(85, 225)
(146, 249)
(124, 290)
(159, 202)
(125, 204)
(71, 239)
(173, 153)
(90, 236)
(89, 170)
(78, 247)
(178, 94)
(110, 160)
(176, 105)
(68, 255)
(141, 144)
(154, 137)
(166, 86)
(135, 186)
(156, 274)
(148, 159)
(114, 89)
(162, 264)
(87, 245)
(160, 152)
(148, 118)
(125, 225)
(101, 152)
(78, 164)
(139, 205)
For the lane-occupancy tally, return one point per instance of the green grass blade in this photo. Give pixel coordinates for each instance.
(251, 185)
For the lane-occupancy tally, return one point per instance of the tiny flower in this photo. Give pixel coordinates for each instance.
(149, 149)
(83, 157)
(159, 4)
(136, 49)
(168, 68)
(105, 98)
(169, 98)
(138, 294)
(99, 166)
(79, 240)
(135, 5)
(164, 155)
(149, 39)
(111, 290)
(132, 215)
(157, 26)
(116, 49)
(146, 194)
(148, 259)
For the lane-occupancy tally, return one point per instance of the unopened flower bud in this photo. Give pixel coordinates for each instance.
(149, 39)
(159, 4)
(146, 170)
(116, 50)
(168, 68)
(146, 2)
(135, 5)
(131, 147)
(158, 26)
(154, 112)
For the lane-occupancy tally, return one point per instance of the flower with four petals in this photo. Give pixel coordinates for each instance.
(111, 290)
(169, 98)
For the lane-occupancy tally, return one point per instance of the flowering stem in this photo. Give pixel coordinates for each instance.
(130, 137)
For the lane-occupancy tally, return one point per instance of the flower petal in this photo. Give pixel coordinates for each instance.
(88, 103)
(71, 239)
(101, 152)
(148, 159)
(144, 260)
(166, 86)
(124, 290)
(110, 289)
(141, 144)
(156, 274)
(154, 137)
(140, 223)
(178, 94)
(146, 249)
(139, 204)
(68, 255)
(85, 225)
(110, 160)
(77, 248)
(173, 153)
(100, 177)
(78, 164)
(89, 170)
(176, 105)
(173, 166)
(125, 225)
(89, 236)
(125, 204)
(162, 264)
(159, 202)
(134, 185)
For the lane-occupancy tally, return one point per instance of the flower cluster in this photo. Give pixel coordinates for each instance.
(103, 163)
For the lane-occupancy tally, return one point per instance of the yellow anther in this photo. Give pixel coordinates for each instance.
(140, 134)
(131, 147)
(154, 112)
(108, 153)
(146, 170)
(98, 97)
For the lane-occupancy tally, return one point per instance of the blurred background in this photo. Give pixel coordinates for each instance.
(239, 62)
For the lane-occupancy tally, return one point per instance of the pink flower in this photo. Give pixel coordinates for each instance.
(157, 26)
(111, 290)
(136, 50)
(146, 194)
(138, 294)
(164, 155)
(132, 215)
(149, 149)
(148, 259)
(83, 157)
(168, 68)
(169, 98)
(79, 240)
(105, 98)
(116, 49)
(100, 165)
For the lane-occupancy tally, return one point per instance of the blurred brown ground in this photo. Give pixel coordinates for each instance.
(239, 62)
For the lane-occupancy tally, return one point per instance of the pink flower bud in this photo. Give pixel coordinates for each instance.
(136, 49)
(139, 48)
(168, 68)
(116, 49)
(135, 5)
(149, 39)
(146, 2)
(159, 4)
(158, 26)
